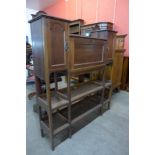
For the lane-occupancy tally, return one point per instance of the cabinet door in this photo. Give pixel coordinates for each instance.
(57, 43)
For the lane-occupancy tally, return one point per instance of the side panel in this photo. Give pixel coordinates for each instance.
(38, 48)
(110, 37)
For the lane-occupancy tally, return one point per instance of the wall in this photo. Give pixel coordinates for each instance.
(28, 17)
(91, 11)
(122, 20)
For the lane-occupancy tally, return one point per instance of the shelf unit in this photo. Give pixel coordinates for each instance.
(75, 25)
(55, 51)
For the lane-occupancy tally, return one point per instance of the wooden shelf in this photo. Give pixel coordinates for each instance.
(59, 123)
(56, 101)
(78, 92)
(108, 83)
(83, 108)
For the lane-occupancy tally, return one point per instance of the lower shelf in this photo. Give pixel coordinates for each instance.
(59, 123)
(82, 113)
(78, 111)
(83, 107)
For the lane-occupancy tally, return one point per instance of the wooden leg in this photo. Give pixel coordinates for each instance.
(102, 95)
(42, 133)
(52, 146)
(69, 104)
(55, 81)
(109, 105)
(51, 136)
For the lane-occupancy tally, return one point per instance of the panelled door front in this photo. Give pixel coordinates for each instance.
(57, 43)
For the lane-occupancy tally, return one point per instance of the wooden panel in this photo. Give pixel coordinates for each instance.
(57, 40)
(37, 48)
(110, 37)
(88, 51)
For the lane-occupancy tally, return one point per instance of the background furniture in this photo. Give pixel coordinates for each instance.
(125, 74)
(117, 68)
(118, 62)
(55, 51)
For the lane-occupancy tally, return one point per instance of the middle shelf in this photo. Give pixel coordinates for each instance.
(81, 90)
(60, 99)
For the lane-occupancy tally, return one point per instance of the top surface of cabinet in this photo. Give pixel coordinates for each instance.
(80, 21)
(50, 17)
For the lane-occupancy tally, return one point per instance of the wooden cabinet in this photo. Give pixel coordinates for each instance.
(49, 44)
(56, 51)
(117, 67)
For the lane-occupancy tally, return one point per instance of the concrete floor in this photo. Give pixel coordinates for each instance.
(106, 135)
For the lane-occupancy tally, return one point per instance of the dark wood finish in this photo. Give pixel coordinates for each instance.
(57, 42)
(51, 38)
(110, 44)
(49, 17)
(56, 51)
(104, 31)
(87, 30)
(37, 48)
(86, 52)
